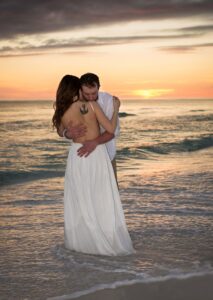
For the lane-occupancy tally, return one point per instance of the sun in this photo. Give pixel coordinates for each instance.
(152, 93)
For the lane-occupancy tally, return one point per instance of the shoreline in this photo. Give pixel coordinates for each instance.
(185, 287)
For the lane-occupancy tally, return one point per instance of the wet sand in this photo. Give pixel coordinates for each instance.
(193, 288)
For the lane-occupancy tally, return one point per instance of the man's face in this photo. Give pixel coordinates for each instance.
(89, 93)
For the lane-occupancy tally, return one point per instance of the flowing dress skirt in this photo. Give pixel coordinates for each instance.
(93, 216)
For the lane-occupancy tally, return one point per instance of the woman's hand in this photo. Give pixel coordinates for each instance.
(116, 103)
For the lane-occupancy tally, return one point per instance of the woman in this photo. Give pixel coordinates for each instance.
(93, 215)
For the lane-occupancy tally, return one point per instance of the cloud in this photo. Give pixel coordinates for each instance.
(21, 17)
(201, 29)
(185, 48)
(24, 48)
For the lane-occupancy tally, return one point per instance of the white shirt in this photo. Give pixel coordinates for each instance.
(105, 101)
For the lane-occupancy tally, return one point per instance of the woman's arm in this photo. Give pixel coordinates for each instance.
(108, 125)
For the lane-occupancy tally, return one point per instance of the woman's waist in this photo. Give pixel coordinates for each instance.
(85, 139)
(76, 145)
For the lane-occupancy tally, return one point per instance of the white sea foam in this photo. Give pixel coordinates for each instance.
(130, 282)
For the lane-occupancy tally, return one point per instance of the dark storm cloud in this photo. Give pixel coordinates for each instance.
(19, 17)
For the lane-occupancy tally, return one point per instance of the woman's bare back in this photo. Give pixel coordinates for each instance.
(81, 113)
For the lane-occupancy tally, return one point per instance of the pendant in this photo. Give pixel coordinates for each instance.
(83, 109)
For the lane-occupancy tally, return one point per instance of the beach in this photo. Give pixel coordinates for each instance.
(192, 288)
(164, 162)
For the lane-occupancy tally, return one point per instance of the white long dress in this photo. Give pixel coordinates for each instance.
(93, 216)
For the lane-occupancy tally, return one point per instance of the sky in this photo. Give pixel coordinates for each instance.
(139, 49)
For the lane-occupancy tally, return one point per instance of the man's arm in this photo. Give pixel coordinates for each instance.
(72, 132)
(89, 146)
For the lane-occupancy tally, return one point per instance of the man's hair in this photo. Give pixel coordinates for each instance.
(90, 80)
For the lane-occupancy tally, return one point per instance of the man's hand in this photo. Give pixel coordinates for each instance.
(87, 148)
(90, 146)
(74, 132)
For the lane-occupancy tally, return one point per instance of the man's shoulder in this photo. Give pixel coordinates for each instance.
(104, 96)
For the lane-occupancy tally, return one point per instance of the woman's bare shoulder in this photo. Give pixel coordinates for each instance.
(69, 113)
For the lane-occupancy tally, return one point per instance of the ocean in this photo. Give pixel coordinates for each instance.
(165, 175)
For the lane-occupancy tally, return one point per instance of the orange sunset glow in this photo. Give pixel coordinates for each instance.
(139, 49)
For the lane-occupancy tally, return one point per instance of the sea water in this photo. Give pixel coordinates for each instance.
(164, 160)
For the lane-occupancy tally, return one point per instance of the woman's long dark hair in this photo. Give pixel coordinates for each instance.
(67, 90)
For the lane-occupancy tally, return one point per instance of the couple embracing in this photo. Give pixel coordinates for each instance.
(94, 221)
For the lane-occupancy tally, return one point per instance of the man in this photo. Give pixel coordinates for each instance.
(90, 85)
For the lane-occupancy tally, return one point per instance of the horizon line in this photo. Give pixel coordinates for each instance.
(124, 99)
